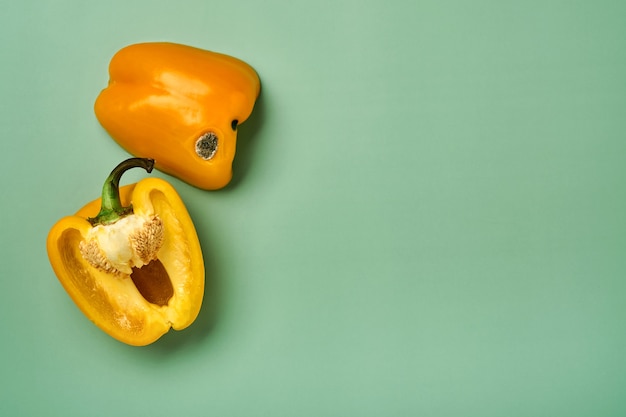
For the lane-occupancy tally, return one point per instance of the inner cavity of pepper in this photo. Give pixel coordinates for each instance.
(153, 282)
(206, 146)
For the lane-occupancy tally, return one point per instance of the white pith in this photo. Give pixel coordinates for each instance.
(117, 248)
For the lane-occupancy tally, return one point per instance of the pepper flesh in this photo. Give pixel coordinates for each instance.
(136, 308)
(179, 105)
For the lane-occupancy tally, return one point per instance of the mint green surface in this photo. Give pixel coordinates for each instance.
(428, 216)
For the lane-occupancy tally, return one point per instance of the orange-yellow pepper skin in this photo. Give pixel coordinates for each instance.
(114, 303)
(163, 97)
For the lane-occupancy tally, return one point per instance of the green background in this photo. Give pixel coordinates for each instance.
(428, 215)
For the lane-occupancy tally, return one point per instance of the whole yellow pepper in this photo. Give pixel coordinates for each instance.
(135, 269)
(179, 105)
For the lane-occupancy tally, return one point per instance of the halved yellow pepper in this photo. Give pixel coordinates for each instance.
(135, 269)
(179, 105)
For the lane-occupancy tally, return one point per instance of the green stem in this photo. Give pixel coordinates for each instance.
(111, 209)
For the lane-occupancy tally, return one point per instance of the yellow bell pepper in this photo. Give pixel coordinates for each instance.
(179, 105)
(135, 269)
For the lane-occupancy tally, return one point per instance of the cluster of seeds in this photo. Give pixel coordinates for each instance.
(131, 242)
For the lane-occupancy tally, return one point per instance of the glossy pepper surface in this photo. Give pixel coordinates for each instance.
(179, 105)
(135, 268)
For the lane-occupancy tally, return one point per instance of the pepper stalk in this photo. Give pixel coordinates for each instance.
(111, 209)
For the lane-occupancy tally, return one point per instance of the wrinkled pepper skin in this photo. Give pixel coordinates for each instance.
(179, 105)
(172, 285)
